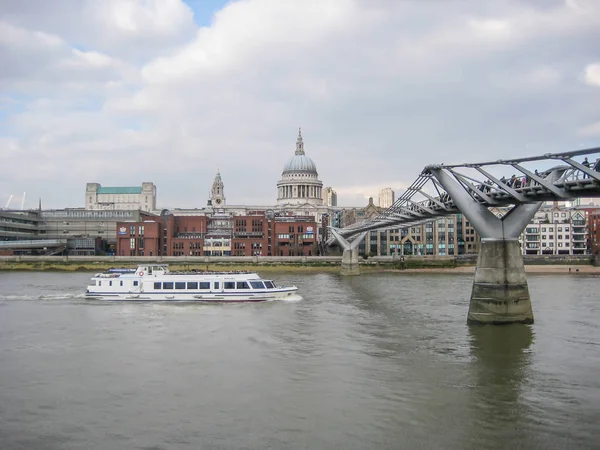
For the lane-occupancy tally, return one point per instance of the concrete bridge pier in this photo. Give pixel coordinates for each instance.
(350, 264)
(500, 292)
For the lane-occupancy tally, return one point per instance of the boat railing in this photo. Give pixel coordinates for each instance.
(211, 272)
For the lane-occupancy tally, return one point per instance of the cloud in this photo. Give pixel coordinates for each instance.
(591, 130)
(592, 74)
(121, 92)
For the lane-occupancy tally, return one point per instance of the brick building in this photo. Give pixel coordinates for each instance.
(218, 235)
(594, 231)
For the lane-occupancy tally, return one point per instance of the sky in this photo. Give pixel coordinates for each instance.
(120, 92)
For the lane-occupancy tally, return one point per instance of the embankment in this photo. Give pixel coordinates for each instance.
(463, 263)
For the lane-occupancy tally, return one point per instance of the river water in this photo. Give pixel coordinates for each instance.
(380, 361)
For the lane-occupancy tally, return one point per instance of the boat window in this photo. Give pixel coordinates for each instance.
(157, 285)
(269, 285)
(192, 285)
(110, 283)
(98, 283)
(206, 285)
(229, 285)
(216, 285)
(257, 284)
(168, 285)
(135, 283)
(121, 282)
(242, 285)
(180, 285)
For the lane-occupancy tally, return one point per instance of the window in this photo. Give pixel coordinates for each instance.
(157, 284)
(110, 283)
(168, 285)
(229, 285)
(205, 285)
(180, 285)
(216, 285)
(269, 285)
(132, 243)
(257, 284)
(242, 285)
(192, 285)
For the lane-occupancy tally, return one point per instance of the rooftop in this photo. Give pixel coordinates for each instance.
(120, 190)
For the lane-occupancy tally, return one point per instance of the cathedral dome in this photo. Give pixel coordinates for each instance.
(299, 183)
(300, 163)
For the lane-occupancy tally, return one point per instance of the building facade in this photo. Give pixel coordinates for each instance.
(141, 197)
(556, 230)
(255, 234)
(329, 197)
(63, 231)
(446, 236)
(387, 197)
(594, 231)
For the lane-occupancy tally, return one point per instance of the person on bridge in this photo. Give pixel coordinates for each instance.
(585, 163)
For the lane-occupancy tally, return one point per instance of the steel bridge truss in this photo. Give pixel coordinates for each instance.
(473, 188)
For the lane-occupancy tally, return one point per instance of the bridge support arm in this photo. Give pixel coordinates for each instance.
(486, 224)
(350, 265)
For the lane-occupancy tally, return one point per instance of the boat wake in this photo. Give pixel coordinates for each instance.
(43, 297)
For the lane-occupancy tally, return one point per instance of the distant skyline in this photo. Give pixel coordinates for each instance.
(169, 91)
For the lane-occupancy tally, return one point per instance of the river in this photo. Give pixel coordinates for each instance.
(380, 361)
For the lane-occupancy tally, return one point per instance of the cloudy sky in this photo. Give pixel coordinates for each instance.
(124, 91)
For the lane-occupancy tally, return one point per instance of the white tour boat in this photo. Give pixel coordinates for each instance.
(154, 282)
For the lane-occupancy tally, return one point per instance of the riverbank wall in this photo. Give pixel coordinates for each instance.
(279, 263)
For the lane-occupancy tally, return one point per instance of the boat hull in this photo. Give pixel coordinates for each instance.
(217, 297)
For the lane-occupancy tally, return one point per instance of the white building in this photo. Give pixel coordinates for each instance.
(556, 230)
(387, 197)
(329, 197)
(141, 197)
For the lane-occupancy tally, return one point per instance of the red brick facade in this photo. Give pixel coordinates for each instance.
(251, 235)
(295, 236)
(139, 238)
(594, 232)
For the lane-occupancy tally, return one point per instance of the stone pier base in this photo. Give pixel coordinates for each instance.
(350, 262)
(500, 292)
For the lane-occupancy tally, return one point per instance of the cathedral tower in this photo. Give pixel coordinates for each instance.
(217, 193)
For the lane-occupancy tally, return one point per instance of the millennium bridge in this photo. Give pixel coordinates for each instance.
(500, 292)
